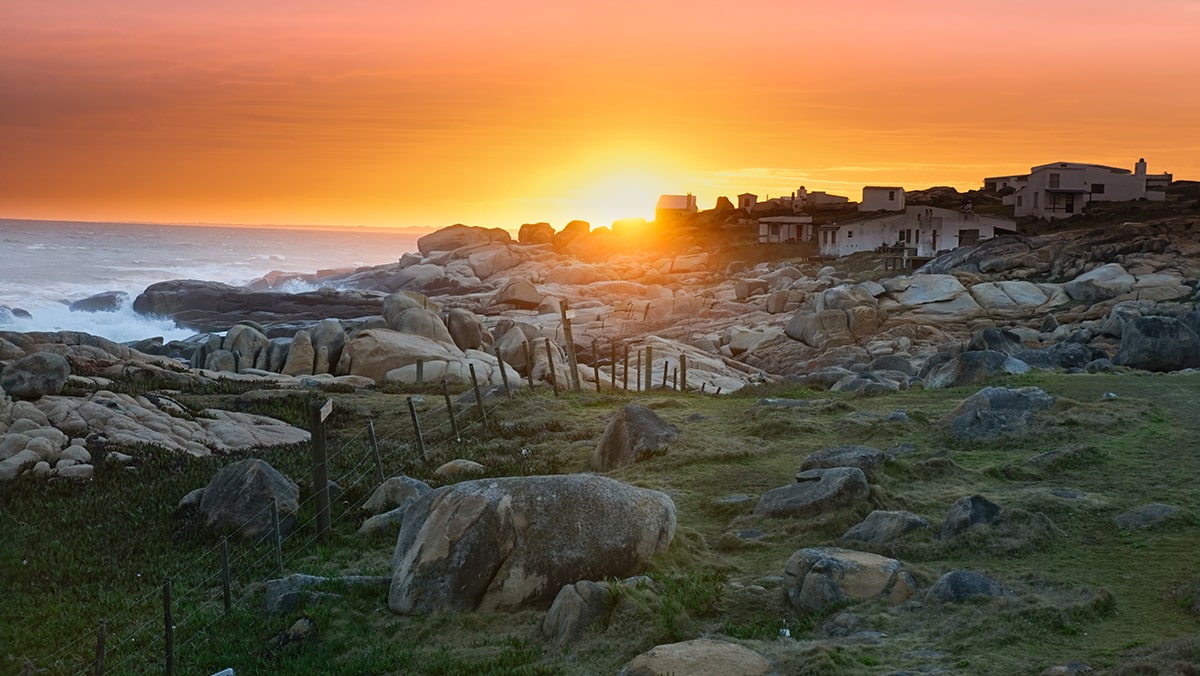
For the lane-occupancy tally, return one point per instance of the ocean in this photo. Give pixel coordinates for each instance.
(45, 265)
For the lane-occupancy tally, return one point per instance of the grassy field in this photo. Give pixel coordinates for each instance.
(73, 554)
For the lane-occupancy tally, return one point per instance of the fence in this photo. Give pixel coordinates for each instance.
(149, 633)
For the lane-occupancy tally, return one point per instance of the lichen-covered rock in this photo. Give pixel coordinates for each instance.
(36, 375)
(239, 496)
(699, 657)
(634, 433)
(820, 577)
(816, 491)
(509, 543)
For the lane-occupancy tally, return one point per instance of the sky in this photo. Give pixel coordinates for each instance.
(410, 113)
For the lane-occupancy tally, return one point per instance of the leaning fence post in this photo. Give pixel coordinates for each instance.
(317, 415)
(225, 590)
(612, 358)
(478, 398)
(550, 363)
(450, 411)
(637, 381)
(412, 411)
(375, 452)
(683, 372)
(100, 631)
(666, 366)
(675, 379)
(504, 375)
(168, 628)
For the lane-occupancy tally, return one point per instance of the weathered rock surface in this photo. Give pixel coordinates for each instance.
(35, 376)
(963, 585)
(509, 543)
(816, 491)
(1158, 344)
(865, 458)
(577, 607)
(881, 527)
(633, 433)
(238, 499)
(699, 657)
(969, 512)
(820, 577)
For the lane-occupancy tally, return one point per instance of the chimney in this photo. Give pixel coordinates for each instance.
(1139, 169)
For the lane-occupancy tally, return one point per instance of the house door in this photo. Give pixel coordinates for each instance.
(1070, 203)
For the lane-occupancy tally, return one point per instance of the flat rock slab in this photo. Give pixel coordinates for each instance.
(699, 657)
(816, 491)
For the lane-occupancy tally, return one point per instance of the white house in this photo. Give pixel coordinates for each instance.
(1062, 189)
(924, 230)
(779, 229)
(672, 207)
(998, 183)
(879, 198)
(746, 201)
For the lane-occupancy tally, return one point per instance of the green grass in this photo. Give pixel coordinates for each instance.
(73, 554)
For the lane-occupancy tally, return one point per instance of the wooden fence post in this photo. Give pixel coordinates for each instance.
(649, 368)
(375, 452)
(317, 415)
(625, 371)
(478, 399)
(168, 629)
(528, 363)
(277, 536)
(450, 411)
(420, 371)
(504, 375)
(570, 338)
(100, 631)
(683, 372)
(412, 411)
(550, 362)
(226, 592)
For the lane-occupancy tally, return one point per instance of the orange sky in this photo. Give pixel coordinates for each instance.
(400, 113)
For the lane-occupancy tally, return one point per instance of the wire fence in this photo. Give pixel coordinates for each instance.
(146, 634)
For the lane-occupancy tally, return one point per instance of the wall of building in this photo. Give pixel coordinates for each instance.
(882, 199)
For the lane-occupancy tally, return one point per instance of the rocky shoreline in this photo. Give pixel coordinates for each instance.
(1086, 300)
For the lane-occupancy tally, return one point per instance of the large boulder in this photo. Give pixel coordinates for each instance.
(459, 235)
(536, 233)
(420, 322)
(826, 328)
(1102, 283)
(634, 433)
(212, 306)
(997, 411)
(301, 357)
(998, 340)
(35, 376)
(374, 352)
(245, 342)
(328, 340)
(510, 543)
(968, 512)
(488, 260)
(816, 491)
(577, 607)
(958, 586)
(466, 329)
(1158, 344)
(518, 292)
(699, 657)
(881, 527)
(818, 578)
(239, 496)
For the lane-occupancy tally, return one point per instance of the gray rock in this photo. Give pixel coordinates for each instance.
(881, 527)
(108, 301)
(821, 577)
(1145, 517)
(1158, 344)
(1058, 356)
(35, 376)
(508, 543)
(968, 512)
(634, 433)
(816, 491)
(997, 411)
(393, 492)
(988, 424)
(865, 458)
(699, 657)
(576, 608)
(963, 585)
(973, 367)
(239, 496)
(387, 524)
(285, 594)
(998, 340)
(1102, 283)
(465, 329)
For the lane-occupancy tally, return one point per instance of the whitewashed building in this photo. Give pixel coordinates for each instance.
(673, 207)
(781, 229)
(880, 198)
(1063, 189)
(923, 230)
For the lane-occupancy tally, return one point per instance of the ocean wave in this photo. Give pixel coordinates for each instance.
(121, 326)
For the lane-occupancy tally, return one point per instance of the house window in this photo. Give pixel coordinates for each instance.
(1097, 188)
(902, 236)
(1020, 199)
(1035, 200)
(849, 234)
(1054, 180)
(891, 195)
(968, 237)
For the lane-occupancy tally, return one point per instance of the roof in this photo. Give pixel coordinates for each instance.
(681, 202)
(882, 187)
(747, 194)
(1079, 165)
(800, 220)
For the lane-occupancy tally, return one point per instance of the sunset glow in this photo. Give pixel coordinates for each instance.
(411, 114)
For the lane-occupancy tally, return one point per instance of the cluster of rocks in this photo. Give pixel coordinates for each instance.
(50, 431)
